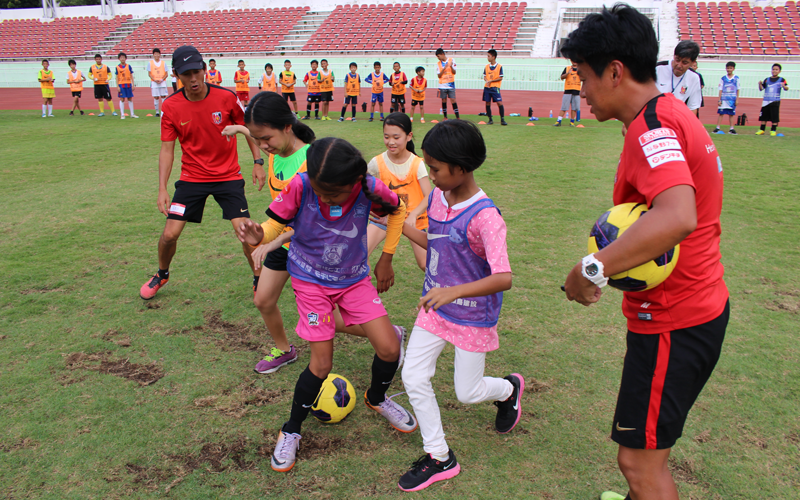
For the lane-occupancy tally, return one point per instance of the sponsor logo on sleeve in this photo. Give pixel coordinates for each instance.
(660, 145)
(658, 133)
(665, 157)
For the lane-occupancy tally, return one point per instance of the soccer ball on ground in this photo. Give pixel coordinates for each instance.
(335, 401)
(609, 227)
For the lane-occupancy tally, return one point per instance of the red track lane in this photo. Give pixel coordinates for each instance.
(469, 102)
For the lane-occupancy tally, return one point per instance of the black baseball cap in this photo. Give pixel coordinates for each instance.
(186, 58)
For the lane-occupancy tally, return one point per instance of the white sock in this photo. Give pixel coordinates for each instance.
(131, 105)
(49, 109)
(44, 109)
(155, 103)
(559, 119)
(122, 107)
(441, 459)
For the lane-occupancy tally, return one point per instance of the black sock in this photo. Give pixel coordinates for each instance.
(354, 110)
(316, 109)
(763, 127)
(502, 111)
(305, 392)
(255, 281)
(455, 109)
(489, 111)
(444, 109)
(382, 375)
(344, 110)
(403, 109)
(163, 273)
(308, 109)
(774, 127)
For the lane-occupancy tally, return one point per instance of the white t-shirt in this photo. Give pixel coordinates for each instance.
(686, 88)
(399, 170)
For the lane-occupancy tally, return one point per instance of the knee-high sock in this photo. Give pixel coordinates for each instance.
(305, 391)
(130, 105)
(455, 109)
(344, 110)
(308, 109)
(50, 112)
(354, 110)
(444, 109)
(44, 109)
(111, 105)
(102, 106)
(382, 375)
(489, 110)
(316, 109)
(502, 110)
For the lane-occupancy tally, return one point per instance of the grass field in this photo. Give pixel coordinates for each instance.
(83, 418)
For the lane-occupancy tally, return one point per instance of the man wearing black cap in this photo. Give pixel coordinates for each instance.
(195, 116)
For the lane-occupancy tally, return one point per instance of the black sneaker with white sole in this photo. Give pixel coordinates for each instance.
(510, 410)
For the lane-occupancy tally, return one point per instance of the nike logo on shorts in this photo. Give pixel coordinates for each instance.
(352, 233)
(243, 210)
(622, 429)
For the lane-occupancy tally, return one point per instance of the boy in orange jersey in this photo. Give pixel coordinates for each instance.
(493, 76)
(288, 80)
(157, 71)
(75, 81)
(213, 75)
(446, 71)
(418, 85)
(125, 81)
(242, 81)
(398, 80)
(268, 80)
(352, 89)
(100, 75)
(46, 79)
(314, 95)
(325, 87)
(378, 79)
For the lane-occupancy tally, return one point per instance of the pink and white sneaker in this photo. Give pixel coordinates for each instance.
(427, 470)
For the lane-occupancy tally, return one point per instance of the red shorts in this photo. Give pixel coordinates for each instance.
(358, 303)
(243, 96)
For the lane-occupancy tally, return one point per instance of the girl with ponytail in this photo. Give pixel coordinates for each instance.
(328, 206)
(405, 174)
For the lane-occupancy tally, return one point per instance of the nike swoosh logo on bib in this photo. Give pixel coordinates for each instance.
(437, 236)
(393, 187)
(352, 233)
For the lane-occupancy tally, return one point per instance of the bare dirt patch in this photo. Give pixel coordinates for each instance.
(533, 385)
(22, 444)
(794, 438)
(44, 289)
(703, 437)
(241, 400)
(117, 337)
(683, 471)
(229, 336)
(102, 362)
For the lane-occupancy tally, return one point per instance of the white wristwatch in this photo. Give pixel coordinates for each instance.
(592, 270)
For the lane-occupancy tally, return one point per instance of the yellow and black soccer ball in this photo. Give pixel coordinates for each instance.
(609, 227)
(335, 401)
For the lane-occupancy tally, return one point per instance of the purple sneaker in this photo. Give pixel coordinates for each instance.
(275, 360)
(401, 337)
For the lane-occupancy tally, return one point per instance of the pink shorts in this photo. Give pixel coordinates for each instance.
(358, 304)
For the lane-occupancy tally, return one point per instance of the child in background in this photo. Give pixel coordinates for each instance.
(46, 79)
(213, 75)
(326, 88)
(728, 97)
(329, 267)
(418, 85)
(100, 75)
(288, 80)
(268, 81)
(75, 80)
(378, 79)
(125, 81)
(157, 72)
(242, 80)
(467, 272)
(398, 81)
(493, 78)
(446, 71)
(352, 89)
(314, 96)
(404, 173)
(771, 106)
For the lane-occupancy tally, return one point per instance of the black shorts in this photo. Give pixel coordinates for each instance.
(276, 259)
(314, 98)
(77, 94)
(771, 112)
(350, 99)
(662, 376)
(289, 96)
(414, 103)
(102, 92)
(327, 96)
(189, 200)
(398, 99)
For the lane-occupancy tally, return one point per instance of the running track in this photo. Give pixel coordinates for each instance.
(469, 102)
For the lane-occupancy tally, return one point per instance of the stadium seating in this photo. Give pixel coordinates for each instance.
(415, 27)
(737, 28)
(63, 37)
(241, 30)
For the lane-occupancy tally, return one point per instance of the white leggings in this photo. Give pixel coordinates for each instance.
(471, 386)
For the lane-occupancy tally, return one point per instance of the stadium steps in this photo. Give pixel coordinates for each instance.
(116, 37)
(526, 36)
(302, 31)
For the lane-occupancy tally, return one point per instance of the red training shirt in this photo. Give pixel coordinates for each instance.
(208, 156)
(667, 146)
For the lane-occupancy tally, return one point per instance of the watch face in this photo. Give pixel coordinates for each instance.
(591, 269)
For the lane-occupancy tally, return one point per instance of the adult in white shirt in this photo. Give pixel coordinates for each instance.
(674, 77)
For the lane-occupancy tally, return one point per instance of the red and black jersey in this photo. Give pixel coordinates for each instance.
(667, 146)
(208, 156)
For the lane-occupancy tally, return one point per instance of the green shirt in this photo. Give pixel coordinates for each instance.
(285, 168)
